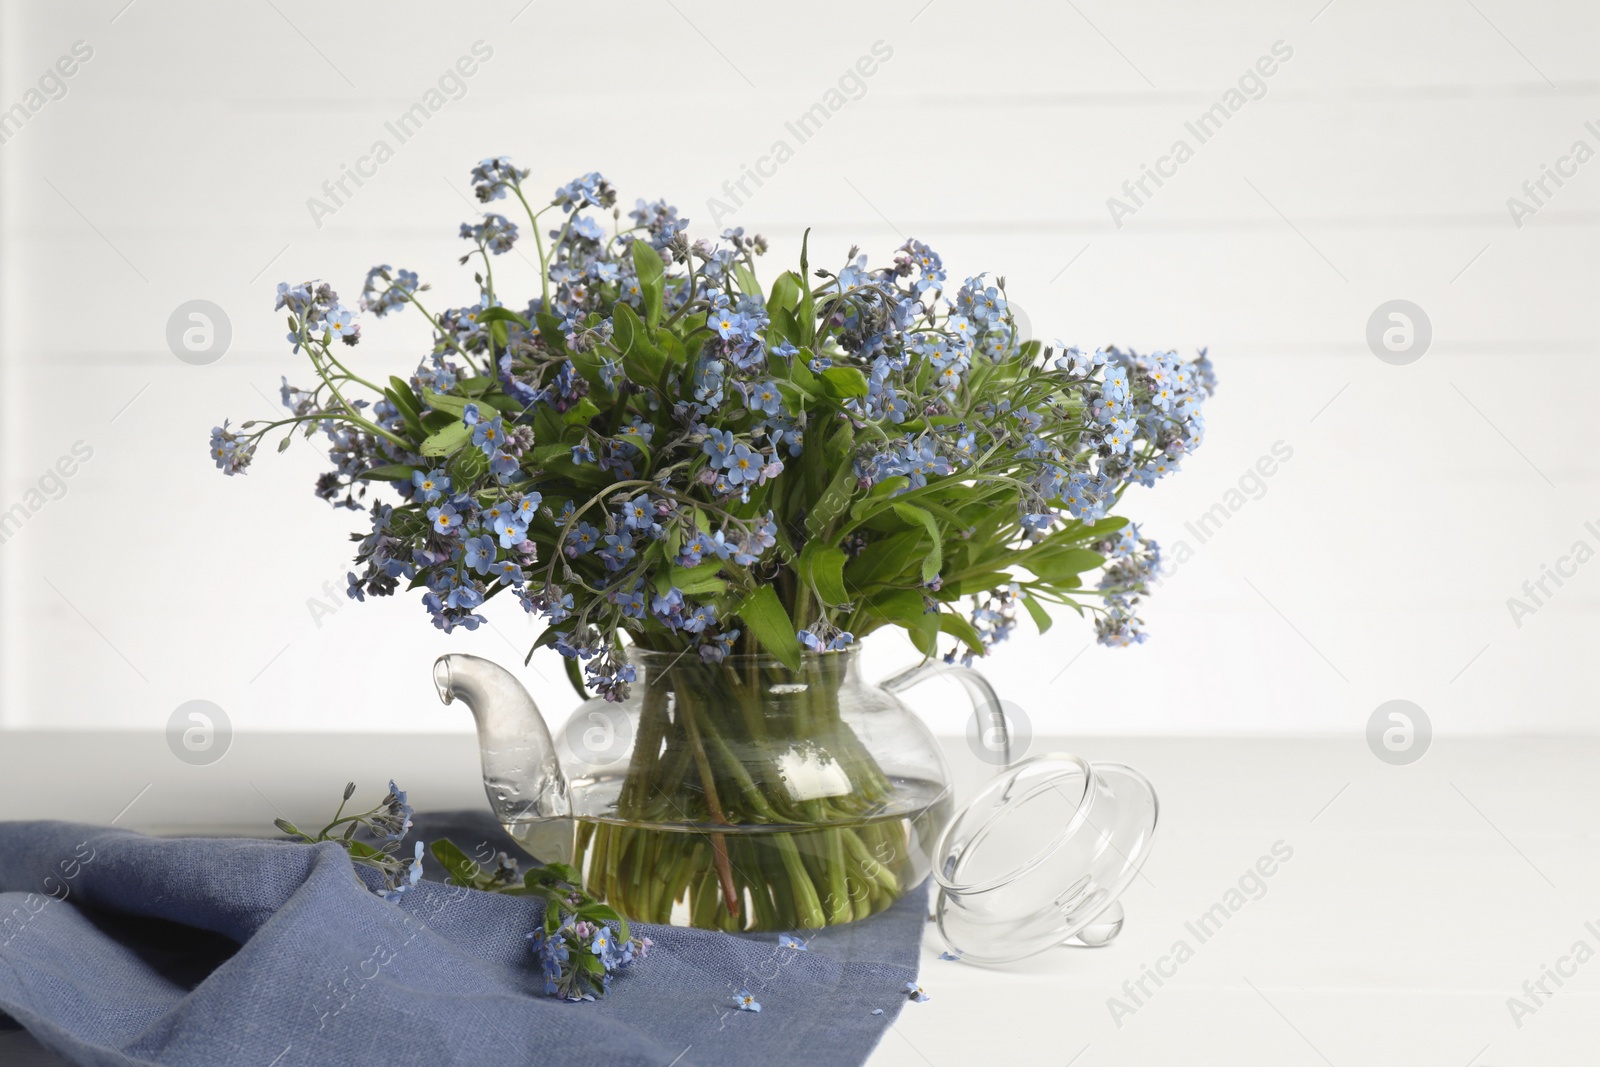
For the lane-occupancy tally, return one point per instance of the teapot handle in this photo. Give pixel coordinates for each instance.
(994, 733)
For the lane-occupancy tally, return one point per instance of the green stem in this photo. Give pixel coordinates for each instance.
(719, 844)
(808, 908)
(707, 751)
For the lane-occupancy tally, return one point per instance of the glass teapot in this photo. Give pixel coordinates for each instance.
(739, 795)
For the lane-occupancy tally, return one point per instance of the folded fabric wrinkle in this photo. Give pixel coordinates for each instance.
(121, 949)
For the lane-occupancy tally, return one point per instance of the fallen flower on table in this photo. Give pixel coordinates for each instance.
(916, 992)
(949, 955)
(576, 951)
(389, 823)
(412, 875)
(578, 958)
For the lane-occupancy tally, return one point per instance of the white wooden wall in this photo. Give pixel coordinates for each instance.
(1376, 563)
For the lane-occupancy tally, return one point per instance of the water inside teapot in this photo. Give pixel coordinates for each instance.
(667, 872)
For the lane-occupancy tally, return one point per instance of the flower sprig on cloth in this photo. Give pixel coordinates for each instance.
(576, 950)
(388, 824)
(655, 444)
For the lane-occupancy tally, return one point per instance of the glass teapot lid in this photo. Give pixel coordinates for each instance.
(1040, 856)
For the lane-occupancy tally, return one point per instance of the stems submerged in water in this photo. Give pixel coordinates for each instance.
(812, 839)
(719, 844)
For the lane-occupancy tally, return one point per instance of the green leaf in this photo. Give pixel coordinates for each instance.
(503, 404)
(560, 872)
(1054, 564)
(1041, 617)
(693, 337)
(699, 580)
(704, 587)
(806, 313)
(467, 466)
(392, 472)
(781, 542)
(834, 501)
(546, 423)
(448, 440)
(623, 320)
(544, 454)
(503, 315)
(783, 328)
(574, 674)
(433, 421)
(580, 413)
(550, 330)
(879, 517)
(822, 566)
(876, 496)
(908, 609)
(838, 446)
(799, 369)
(455, 405)
(935, 557)
(769, 624)
(958, 627)
(405, 401)
(884, 560)
(785, 293)
(642, 360)
(673, 347)
(652, 279)
(844, 383)
(749, 284)
(1075, 533)
(590, 364)
(407, 396)
(982, 582)
(463, 869)
(794, 397)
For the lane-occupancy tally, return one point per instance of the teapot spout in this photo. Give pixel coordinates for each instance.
(521, 773)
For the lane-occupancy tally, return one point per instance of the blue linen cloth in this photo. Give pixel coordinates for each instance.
(119, 949)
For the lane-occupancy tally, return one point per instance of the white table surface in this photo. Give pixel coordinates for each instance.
(1418, 899)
